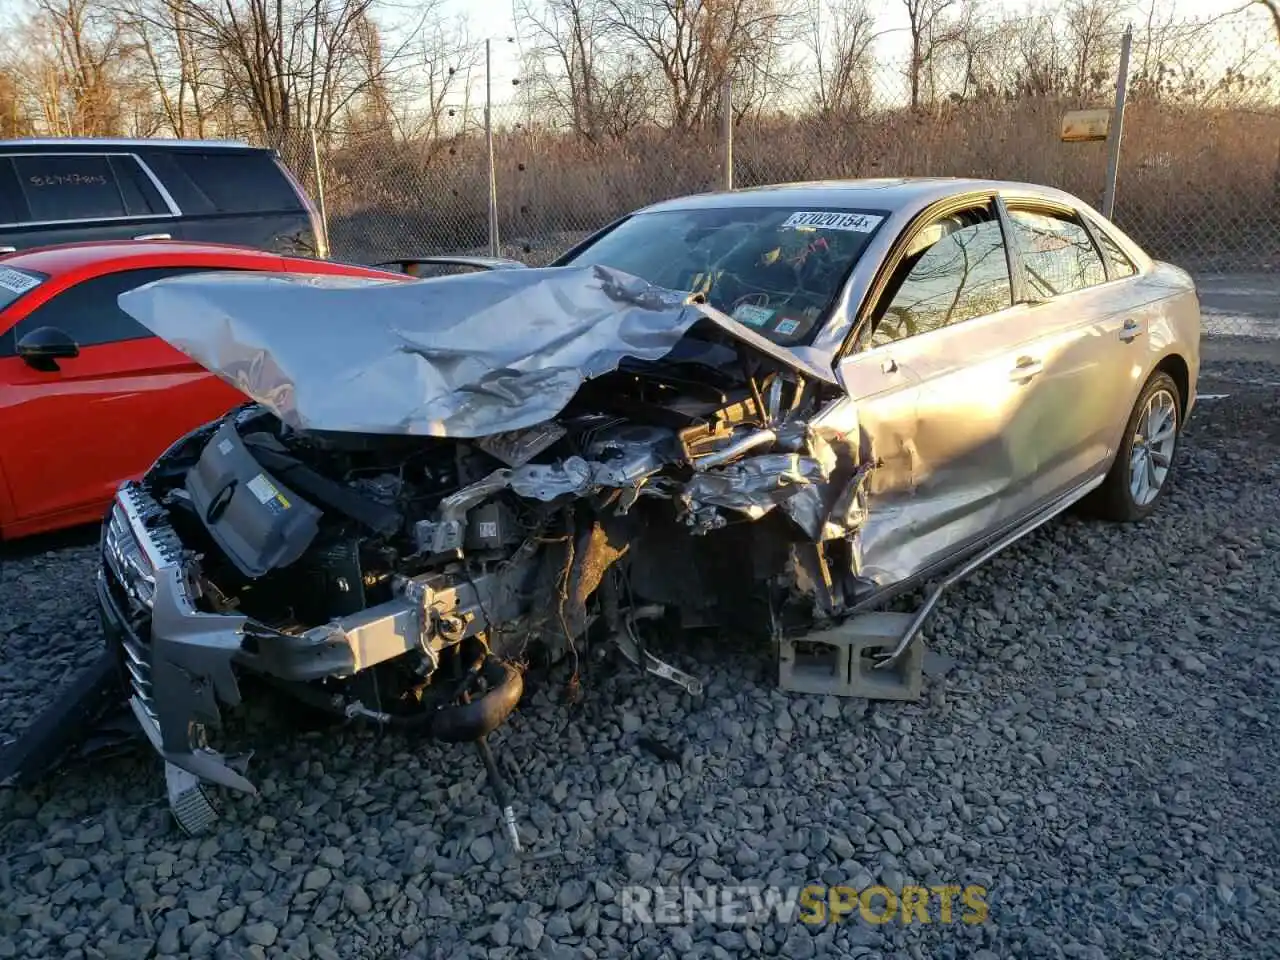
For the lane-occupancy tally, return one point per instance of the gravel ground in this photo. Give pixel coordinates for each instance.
(1103, 739)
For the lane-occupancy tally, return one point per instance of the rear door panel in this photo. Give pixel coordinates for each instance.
(283, 233)
(1076, 335)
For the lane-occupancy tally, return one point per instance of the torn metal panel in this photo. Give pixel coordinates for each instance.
(756, 485)
(802, 359)
(515, 448)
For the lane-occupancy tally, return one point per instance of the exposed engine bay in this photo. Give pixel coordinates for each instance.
(645, 493)
(412, 579)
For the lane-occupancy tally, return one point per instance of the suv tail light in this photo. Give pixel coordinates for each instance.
(318, 226)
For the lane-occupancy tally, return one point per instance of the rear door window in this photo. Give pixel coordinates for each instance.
(69, 187)
(1058, 256)
(239, 182)
(72, 187)
(141, 198)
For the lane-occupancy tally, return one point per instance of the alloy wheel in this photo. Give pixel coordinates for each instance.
(1151, 455)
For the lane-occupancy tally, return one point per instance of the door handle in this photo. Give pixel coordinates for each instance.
(889, 365)
(154, 236)
(1025, 369)
(8, 250)
(1130, 331)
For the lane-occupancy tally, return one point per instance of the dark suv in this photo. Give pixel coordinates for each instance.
(69, 191)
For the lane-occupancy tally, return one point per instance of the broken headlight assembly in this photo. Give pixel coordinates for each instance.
(126, 559)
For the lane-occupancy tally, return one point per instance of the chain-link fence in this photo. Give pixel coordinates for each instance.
(1198, 178)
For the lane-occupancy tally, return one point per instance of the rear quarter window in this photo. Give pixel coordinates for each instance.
(1121, 265)
(238, 182)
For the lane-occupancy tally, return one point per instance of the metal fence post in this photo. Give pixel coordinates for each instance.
(488, 136)
(324, 215)
(1117, 126)
(726, 135)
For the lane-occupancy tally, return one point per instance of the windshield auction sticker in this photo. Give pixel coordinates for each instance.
(855, 222)
(16, 282)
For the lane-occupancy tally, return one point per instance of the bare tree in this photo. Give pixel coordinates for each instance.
(291, 64)
(568, 49)
(696, 47)
(71, 51)
(840, 36)
(14, 121)
(933, 25)
(1092, 32)
(1041, 70)
(448, 62)
(968, 57)
(180, 71)
(578, 73)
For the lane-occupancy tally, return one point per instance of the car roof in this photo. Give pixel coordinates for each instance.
(888, 193)
(63, 258)
(100, 143)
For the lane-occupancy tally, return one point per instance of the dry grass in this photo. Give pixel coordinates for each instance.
(1197, 186)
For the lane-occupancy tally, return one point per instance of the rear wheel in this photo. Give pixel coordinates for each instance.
(1144, 464)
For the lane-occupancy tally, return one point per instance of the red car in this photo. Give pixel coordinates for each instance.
(88, 397)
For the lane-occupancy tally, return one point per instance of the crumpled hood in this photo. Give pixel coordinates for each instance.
(458, 356)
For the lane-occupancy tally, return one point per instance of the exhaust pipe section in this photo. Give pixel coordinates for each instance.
(476, 718)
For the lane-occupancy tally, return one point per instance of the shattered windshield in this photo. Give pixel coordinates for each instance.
(775, 269)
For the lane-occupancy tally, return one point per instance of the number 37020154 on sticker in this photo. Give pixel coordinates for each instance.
(855, 222)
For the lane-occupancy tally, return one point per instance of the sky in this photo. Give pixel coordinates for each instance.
(494, 19)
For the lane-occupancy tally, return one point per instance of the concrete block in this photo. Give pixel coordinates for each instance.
(839, 661)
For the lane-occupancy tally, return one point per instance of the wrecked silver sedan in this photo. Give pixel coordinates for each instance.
(764, 413)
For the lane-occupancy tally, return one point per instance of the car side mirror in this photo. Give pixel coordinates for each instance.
(43, 347)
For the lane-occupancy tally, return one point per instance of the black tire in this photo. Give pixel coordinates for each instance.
(1114, 500)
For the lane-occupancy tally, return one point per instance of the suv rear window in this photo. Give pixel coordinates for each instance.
(239, 182)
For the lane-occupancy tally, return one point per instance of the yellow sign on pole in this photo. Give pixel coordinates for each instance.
(1083, 126)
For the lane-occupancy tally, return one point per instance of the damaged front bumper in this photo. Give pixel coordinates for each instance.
(176, 660)
(181, 664)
